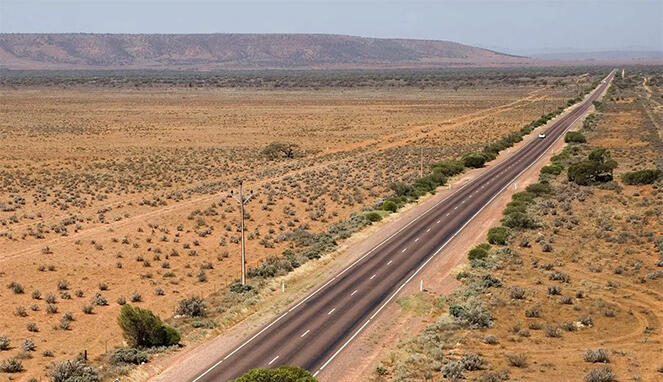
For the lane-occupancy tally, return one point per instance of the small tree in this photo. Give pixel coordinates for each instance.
(474, 160)
(279, 150)
(574, 137)
(142, 328)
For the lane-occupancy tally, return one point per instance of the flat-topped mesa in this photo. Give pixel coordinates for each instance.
(236, 51)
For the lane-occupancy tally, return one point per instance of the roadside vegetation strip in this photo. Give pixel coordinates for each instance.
(229, 306)
(433, 352)
(309, 246)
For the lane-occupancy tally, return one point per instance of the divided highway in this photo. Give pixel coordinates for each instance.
(312, 332)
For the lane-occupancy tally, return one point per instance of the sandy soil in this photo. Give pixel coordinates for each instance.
(392, 323)
(116, 192)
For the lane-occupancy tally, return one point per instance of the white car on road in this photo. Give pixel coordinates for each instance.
(541, 136)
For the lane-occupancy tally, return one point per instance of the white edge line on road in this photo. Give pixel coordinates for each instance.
(236, 350)
(445, 244)
(424, 213)
(272, 361)
(305, 333)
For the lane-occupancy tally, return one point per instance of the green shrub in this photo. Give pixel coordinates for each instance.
(193, 306)
(129, 355)
(474, 160)
(239, 288)
(5, 343)
(472, 313)
(272, 266)
(601, 374)
(574, 137)
(552, 169)
(142, 328)
(373, 216)
(515, 206)
(389, 206)
(490, 281)
(401, 189)
(589, 172)
(280, 374)
(477, 253)
(524, 196)
(539, 189)
(498, 235)
(448, 167)
(596, 356)
(519, 220)
(279, 150)
(73, 371)
(11, 365)
(438, 178)
(642, 177)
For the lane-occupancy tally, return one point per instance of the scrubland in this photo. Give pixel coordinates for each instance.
(570, 285)
(114, 195)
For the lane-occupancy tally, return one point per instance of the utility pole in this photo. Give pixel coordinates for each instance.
(421, 162)
(242, 200)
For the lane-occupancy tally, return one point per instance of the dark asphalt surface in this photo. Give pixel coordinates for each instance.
(314, 330)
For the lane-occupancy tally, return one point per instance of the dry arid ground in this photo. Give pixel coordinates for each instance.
(114, 195)
(579, 296)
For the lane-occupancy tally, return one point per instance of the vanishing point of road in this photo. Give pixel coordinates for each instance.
(317, 328)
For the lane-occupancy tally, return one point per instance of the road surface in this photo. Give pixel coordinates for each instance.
(313, 331)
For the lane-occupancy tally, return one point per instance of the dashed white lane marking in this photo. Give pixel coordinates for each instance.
(331, 311)
(404, 249)
(455, 208)
(416, 240)
(353, 293)
(305, 333)
(389, 262)
(372, 277)
(272, 361)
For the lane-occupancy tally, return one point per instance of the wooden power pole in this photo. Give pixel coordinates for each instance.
(242, 200)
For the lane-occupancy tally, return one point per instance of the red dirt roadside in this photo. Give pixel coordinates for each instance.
(370, 346)
(358, 361)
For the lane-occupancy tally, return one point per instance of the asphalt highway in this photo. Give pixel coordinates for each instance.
(313, 331)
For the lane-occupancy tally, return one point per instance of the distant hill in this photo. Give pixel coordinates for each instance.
(236, 51)
(607, 56)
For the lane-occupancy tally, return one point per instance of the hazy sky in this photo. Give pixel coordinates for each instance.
(513, 26)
